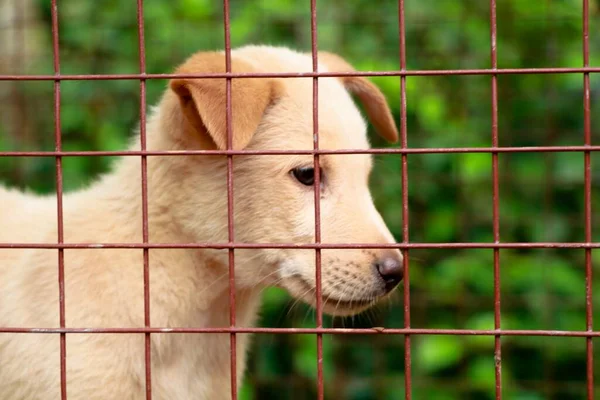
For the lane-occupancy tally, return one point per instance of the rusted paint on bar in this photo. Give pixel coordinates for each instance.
(402, 246)
(405, 209)
(230, 221)
(144, 168)
(589, 324)
(242, 75)
(325, 331)
(59, 200)
(414, 150)
(495, 201)
(317, 197)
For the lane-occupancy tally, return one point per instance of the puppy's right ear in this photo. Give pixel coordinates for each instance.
(203, 100)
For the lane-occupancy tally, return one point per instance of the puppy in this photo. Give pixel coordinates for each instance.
(273, 202)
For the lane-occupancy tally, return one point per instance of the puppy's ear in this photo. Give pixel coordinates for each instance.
(203, 100)
(373, 100)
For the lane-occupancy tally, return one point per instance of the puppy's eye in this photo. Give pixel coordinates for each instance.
(305, 175)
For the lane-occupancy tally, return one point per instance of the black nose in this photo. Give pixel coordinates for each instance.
(391, 270)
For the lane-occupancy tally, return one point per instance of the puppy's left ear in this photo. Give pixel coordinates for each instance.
(203, 100)
(371, 97)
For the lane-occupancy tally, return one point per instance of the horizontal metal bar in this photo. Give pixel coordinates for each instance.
(332, 331)
(483, 71)
(533, 245)
(423, 150)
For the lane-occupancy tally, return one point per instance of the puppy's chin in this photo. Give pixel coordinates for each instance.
(330, 304)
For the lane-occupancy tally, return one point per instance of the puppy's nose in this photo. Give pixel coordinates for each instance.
(391, 270)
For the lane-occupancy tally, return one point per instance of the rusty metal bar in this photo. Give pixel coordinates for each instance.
(412, 150)
(589, 324)
(331, 331)
(483, 71)
(230, 219)
(59, 200)
(495, 202)
(405, 209)
(317, 196)
(144, 168)
(402, 246)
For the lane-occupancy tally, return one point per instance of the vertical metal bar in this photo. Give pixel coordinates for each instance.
(59, 202)
(495, 201)
(317, 196)
(405, 211)
(588, 202)
(142, 64)
(230, 220)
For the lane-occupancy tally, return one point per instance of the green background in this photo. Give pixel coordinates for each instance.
(450, 195)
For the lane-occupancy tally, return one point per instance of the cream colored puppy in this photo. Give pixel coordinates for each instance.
(187, 203)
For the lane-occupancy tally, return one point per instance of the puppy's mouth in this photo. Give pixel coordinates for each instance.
(331, 304)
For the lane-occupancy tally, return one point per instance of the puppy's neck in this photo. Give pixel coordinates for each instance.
(186, 194)
(187, 203)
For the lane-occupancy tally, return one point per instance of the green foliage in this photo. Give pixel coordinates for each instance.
(450, 195)
(435, 353)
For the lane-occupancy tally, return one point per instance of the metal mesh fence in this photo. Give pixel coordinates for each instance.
(416, 302)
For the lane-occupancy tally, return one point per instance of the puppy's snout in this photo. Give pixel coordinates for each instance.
(391, 270)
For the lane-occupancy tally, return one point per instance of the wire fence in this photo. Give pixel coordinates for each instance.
(408, 246)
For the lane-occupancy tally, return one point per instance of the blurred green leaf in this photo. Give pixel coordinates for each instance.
(438, 352)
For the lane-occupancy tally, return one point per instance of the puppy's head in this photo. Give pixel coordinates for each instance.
(274, 198)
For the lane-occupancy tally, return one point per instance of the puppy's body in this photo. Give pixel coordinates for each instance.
(104, 288)
(187, 202)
